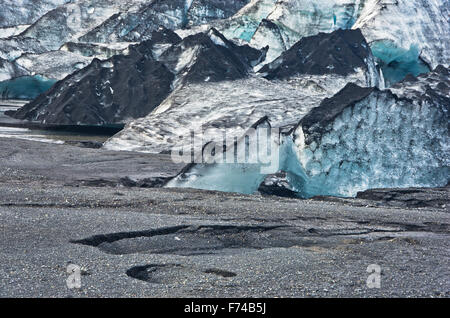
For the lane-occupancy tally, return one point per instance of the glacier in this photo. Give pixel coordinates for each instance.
(25, 12)
(361, 138)
(393, 138)
(136, 24)
(401, 28)
(234, 102)
(10, 70)
(289, 21)
(167, 67)
(407, 36)
(55, 64)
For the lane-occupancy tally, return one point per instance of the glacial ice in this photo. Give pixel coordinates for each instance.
(54, 64)
(10, 70)
(406, 26)
(26, 87)
(397, 62)
(234, 105)
(389, 138)
(70, 21)
(293, 19)
(378, 142)
(22, 12)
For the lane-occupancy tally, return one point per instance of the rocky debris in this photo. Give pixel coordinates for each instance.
(156, 182)
(171, 273)
(85, 144)
(278, 184)
(409, 197)
(86, 166)
(315, 249)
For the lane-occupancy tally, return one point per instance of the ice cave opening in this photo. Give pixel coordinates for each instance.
(396, 63)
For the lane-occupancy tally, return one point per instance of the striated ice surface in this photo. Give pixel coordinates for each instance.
(244, 23)
(23, 12)
(7, 32)
(14, 47)
(291, 20)
(231, 105)
(137, 24)
(101, 51)
(54, 64)
(10, 70)
(380, 142)
(408, 36)
(72, 20)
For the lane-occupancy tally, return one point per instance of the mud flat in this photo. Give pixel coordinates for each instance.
(106, 212)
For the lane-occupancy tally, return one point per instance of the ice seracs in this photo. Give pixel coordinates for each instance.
(137, 24)
(365, 138)
(54, 64)
(70, 21)
(10, 70)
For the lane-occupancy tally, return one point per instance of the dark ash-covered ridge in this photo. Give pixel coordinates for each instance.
(105, 92)
(339, 52)
(210, 57)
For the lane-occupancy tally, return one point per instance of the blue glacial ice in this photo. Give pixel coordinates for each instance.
(26, 87)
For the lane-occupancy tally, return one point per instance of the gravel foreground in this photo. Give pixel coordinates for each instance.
(62, 205)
